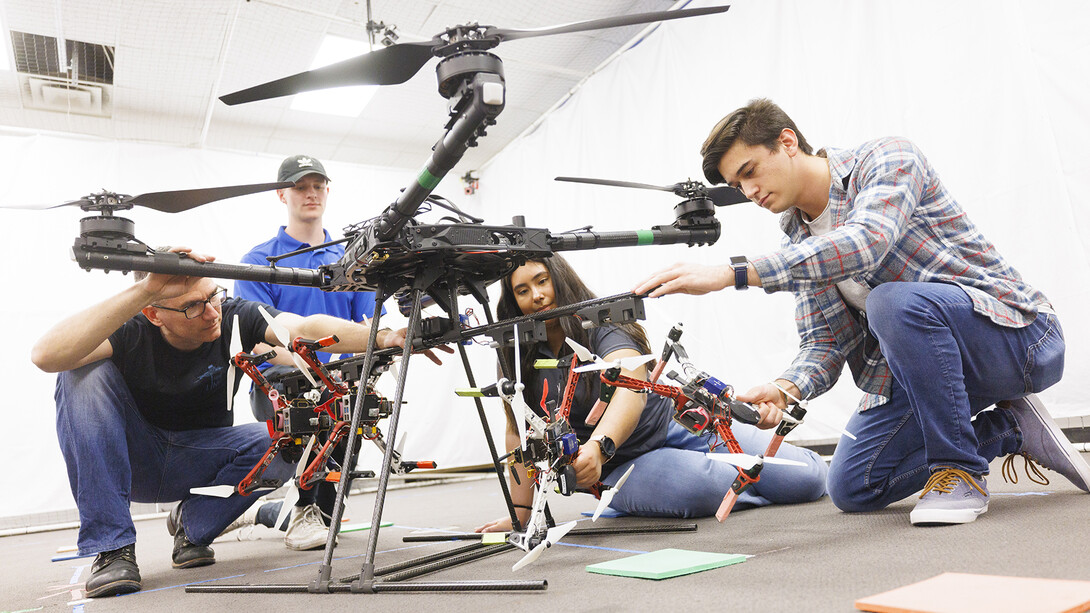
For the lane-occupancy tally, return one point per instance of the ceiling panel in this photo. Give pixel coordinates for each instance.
(173, 59)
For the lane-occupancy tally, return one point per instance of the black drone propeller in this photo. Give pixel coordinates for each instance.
(168, 202)
(398, 63)
(720, 196)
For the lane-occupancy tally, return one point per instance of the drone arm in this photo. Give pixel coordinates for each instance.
(89, 257)
(657, 235)
(483, 99)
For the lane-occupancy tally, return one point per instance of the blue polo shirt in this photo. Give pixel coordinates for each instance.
(304, 300)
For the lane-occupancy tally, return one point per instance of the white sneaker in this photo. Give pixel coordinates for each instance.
(244, 524)
(306, 530)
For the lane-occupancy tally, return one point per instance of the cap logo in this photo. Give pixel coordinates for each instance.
(305, 162)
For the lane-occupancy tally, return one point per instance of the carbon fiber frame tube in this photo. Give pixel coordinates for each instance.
(173, 264)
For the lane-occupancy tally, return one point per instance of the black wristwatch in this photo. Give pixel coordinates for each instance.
(741, 271)
(606, 444)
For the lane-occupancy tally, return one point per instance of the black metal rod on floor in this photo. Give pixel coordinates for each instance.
(381, 586)
(461, 586)
(393, 568)
(439, 538)
(604, 530)
(641, 529)
(482, 551)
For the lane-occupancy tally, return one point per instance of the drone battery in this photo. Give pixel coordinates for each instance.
(569, 444)
(463, 319)
(693, 418)
(714, 386)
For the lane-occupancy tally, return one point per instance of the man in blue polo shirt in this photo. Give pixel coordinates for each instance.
(306, 203)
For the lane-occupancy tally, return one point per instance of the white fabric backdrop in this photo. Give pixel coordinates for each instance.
(995, 93)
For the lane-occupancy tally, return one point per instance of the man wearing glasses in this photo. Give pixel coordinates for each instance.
(142, 412)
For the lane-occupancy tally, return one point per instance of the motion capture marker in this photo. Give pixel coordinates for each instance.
(645, 237)
(427, 180)
(546, 364)
(493, 538)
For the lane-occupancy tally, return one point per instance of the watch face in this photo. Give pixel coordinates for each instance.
(608, 447)
(738, 259)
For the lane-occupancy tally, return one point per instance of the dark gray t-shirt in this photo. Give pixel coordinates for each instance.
(650, 432)
(184, 390)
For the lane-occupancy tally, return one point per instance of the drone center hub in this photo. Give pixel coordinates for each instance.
(455, 69)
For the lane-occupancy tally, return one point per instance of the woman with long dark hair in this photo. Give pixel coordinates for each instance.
(672, 476)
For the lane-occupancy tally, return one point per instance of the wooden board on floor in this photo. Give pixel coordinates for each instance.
(968, 593)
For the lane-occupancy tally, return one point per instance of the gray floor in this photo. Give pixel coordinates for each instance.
(804, 558)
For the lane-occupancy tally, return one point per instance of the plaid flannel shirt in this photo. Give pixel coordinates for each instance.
(893, 220)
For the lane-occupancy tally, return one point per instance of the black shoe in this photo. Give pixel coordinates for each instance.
(114, 573)
(186, 553)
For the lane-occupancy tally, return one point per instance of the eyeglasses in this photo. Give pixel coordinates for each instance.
(196, 309)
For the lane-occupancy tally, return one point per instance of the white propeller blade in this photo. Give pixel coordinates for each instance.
(607, 496)
(552, 537)
(293, 490)
(519, 406)
(234, 349)
(628, 363)
(746, 461)
(219, 491)
(581, 352)
(284, 336)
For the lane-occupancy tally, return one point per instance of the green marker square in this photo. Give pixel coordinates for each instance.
(665, 563)
(493, 538)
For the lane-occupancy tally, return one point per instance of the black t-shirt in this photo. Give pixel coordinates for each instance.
(650, 432)
(185, 390)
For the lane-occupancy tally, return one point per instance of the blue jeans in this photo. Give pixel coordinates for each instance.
(678, 480)
(949, 365)
(115, 456)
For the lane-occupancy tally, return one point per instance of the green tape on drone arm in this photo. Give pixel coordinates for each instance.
(645, 237)
(472, 391)
(427, 180)
(544, 364)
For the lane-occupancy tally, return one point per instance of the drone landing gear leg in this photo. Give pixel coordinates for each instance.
(482, 297)
(367, 572)
(366, 582)
(746, 478)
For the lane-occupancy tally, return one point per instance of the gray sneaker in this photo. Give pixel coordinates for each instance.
(306, 530)
(245, 523)
(951, 496)
(1045, 442)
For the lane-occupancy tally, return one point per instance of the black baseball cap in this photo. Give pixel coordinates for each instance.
(298, 166)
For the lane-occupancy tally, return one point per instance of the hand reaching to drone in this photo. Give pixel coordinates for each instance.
(396, 338)
(588, 465)
(769, 402)
(164, 287)
(687, 278)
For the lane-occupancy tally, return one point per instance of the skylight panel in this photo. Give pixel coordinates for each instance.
(342, 101)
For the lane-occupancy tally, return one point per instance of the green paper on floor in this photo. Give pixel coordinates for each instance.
(665, 563)
(366, 526)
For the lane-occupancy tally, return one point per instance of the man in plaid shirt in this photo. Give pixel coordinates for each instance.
(891, 278)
